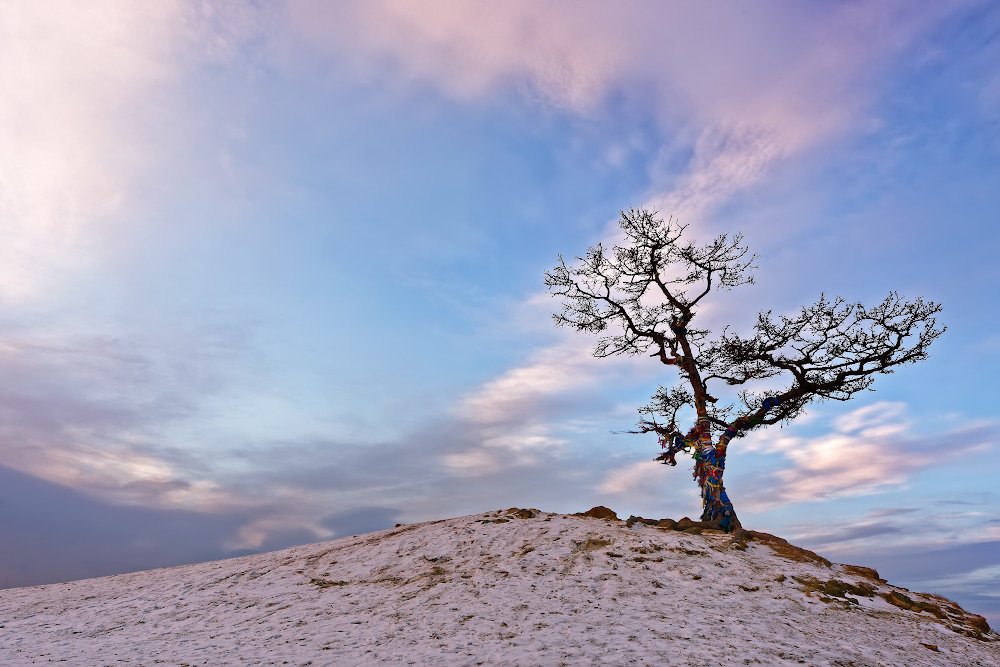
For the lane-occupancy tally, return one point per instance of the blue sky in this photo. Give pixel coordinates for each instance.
(272, 272)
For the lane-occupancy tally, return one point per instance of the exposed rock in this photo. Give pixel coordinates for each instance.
(600, 512)
(633, 519)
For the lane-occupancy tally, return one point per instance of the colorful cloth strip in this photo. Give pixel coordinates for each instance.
(709, 460)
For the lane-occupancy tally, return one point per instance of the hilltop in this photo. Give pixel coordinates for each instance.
(514, 586)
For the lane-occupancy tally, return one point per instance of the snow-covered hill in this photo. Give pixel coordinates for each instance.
(517, 587)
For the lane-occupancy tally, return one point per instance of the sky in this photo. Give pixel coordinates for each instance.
(272, 273)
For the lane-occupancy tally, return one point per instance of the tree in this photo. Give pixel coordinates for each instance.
(643, 296)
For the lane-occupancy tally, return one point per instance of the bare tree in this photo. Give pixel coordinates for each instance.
(642, 297)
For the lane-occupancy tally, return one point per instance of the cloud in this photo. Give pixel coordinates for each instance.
(697, 61)
(86, 412)
(128, 423)
(634, 477)
(855, 532)
(741, 92)
(867, 421)
(113, 419)
(982, 581)
(554, 375)
(87, 86)
(53, 533)
(892, 511)
(469, 50)
(74, 75)
(523, 413)
(91, 98)
(871, 449)
(273, 522)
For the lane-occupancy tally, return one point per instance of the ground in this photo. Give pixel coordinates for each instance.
(515, 587)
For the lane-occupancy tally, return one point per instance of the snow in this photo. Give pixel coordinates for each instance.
(493, 589)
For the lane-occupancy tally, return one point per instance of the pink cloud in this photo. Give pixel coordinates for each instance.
(89, 90)
(871, 449)
(779, 62)
(72, 75)
(749, 89)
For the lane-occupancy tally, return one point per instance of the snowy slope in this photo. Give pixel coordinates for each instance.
(510, 587)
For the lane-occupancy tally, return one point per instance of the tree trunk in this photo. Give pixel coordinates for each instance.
(709, 467)
(718, 509)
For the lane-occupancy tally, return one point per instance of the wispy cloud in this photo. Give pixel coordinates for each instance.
(83, 412)
(111, 419)
(690, 61)
(983, 581)
(791, 78)
(553, 372)
(469, 51)
(743, 90)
